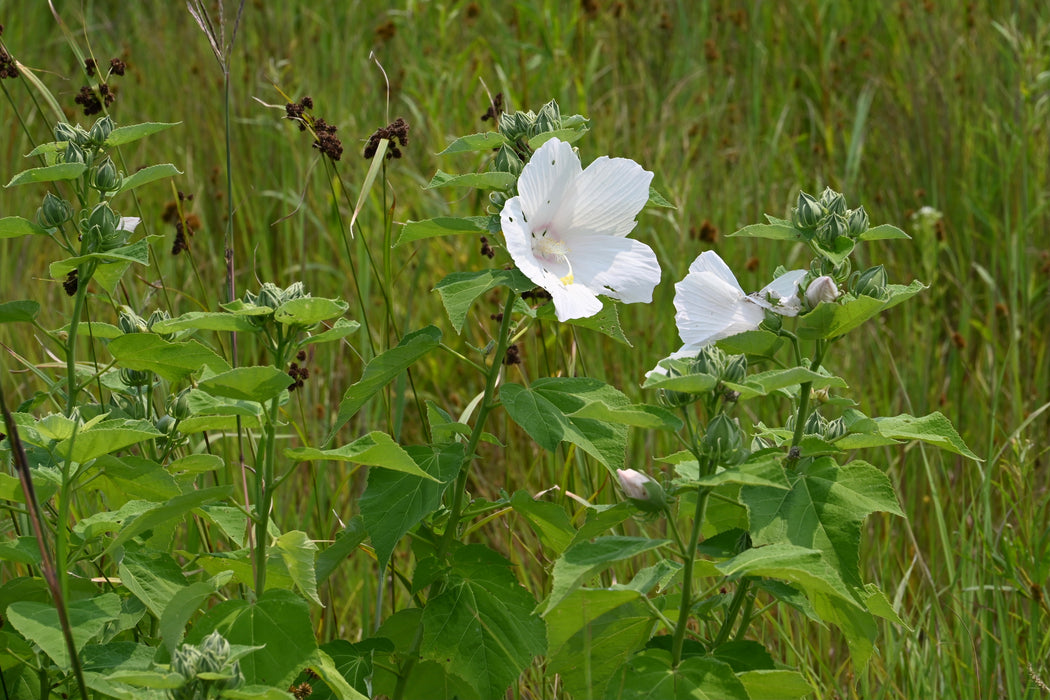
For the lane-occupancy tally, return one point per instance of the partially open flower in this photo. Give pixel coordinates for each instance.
(822, 289)
(644, 492)
(711, 304)
(567, 230)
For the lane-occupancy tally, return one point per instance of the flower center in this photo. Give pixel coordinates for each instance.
(553, 251)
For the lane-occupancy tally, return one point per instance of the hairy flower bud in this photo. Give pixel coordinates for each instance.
(736, 369)
(815, 424)
(644, 492)
(835, 429)
(871, 282)
(808, 212)
(833, 201)
(710, 360)
(832, 227)
(105, 177)
(67, 133)
(53, 212)
(857, 221)
(73, 154)
(507, 161)
(822, 289)
(723, 441)
(101, 130)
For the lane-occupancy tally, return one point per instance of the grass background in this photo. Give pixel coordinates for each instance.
(735, 107)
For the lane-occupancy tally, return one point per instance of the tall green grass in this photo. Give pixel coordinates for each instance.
(734, 107)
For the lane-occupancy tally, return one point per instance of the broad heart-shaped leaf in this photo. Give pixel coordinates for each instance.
(307, 312)
(606, 321)
(150, 173)
(394, 502)
(376, 449)
(22, 310)
(481, 625)
(172, 361)
(804, 567)
(447, 226)
(758, 343)
(840, 249)
(491, 180)
(38, 622)
(823, 510)
(832, 320)
(636, 415)
(583, 560)
(459, 290)
(105, 437)
(485, 141)
(428, 679)
(353, 662)
(934, 429)
(772, 380)
(48, 173)
(248, 383)
(382, 370)
(650, 676)
(279, 622)
(775, 684)
(152, 576)
(15, 226)
(592, 634)
(133, 132)
(542, 411)
(298, 552)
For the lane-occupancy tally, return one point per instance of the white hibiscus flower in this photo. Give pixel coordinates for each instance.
(711, 304)
(567, 230)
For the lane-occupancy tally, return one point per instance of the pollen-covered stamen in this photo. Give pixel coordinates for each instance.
(552, 250)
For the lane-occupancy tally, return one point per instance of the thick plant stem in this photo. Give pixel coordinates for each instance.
(687, 578)
(742, 590)
(264, 480)
(804, 392)
(71, 341)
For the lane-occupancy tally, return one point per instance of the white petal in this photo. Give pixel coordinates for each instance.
(128, 223)
(545, 180)
(709, 261)
(621, 268)
(784, 288)
(605, 199)
(710, 308)
(518, 238)
(573, 301)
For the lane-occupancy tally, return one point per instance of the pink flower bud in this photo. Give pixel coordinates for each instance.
(821, 289)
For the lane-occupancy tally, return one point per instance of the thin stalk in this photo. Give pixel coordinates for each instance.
(71, 340)
(804, 392)
(689, 557)
(734, 609)
(264, 489)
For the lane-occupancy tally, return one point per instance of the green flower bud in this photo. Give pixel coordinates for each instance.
(100, 131)
(498, 199)
(216, 644)
(644, 492)
(857, 221)
(736, 369)
(53, 212)
(157, 316)
(269, 295)
(101, 231)
(185, 661)
(66, 133)
(833, 201)
(516, 126)
(130, 322)
(73, 154)
(830, 228)
(835, 429)
(808, 212)
(135, 378)
(815, 424)
(549, 118)
(507, 161)
(710, 360)
(723, 443)
(673, 399)
(181, 408)
(871, 282)
(164, 424)
(105, 177)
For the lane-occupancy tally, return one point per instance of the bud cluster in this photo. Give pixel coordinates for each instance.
(77, 145)
(206, 668)
(710, 361)
(827, 219)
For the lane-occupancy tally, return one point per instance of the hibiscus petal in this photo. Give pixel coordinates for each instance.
(518, 238)
(710, 308)
(621, 268)
(709, 261)
(784, 288)
(573, 301)
(545, 180)
(605, 199)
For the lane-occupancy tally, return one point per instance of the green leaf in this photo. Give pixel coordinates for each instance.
(934, 429)
(121, 478)
(650, 676)
(485, 141)
(325, 667)
(583, 560)
(23, 550)
(636, 415)
(298, 552)
(20, 311)
(205, 321)
(382, 370)
(592, 634)
(38, 622)
(757, 343)
(133, 132)
(248, 383)
(150, 173)
(832, 320)
(48, 173)
(773, 684)
(549, 520)
(765, 383)
(542, 411)
(428, 679)
(823, 510)
(882, 233)
(445, 226)
(606, 321)
(482, 624)
(354, 661)
(377, 449)
(493, 179)
(339, 330)
(459, 290)
(172, 509)
(15, 226)
(840, 250)
(658, 200)
(307, 312)
(804, 567)
(183, 605)
(105, 437)
(152, 576)
(279, 622)
(394, 502)
(137, 252)
(687, 383)
(776, 232)
(172, 361)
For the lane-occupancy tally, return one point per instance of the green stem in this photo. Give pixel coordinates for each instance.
(689, 557)
(71, 340)
(264, 489)
(804, 392)
(734, 609)
(745, 618)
